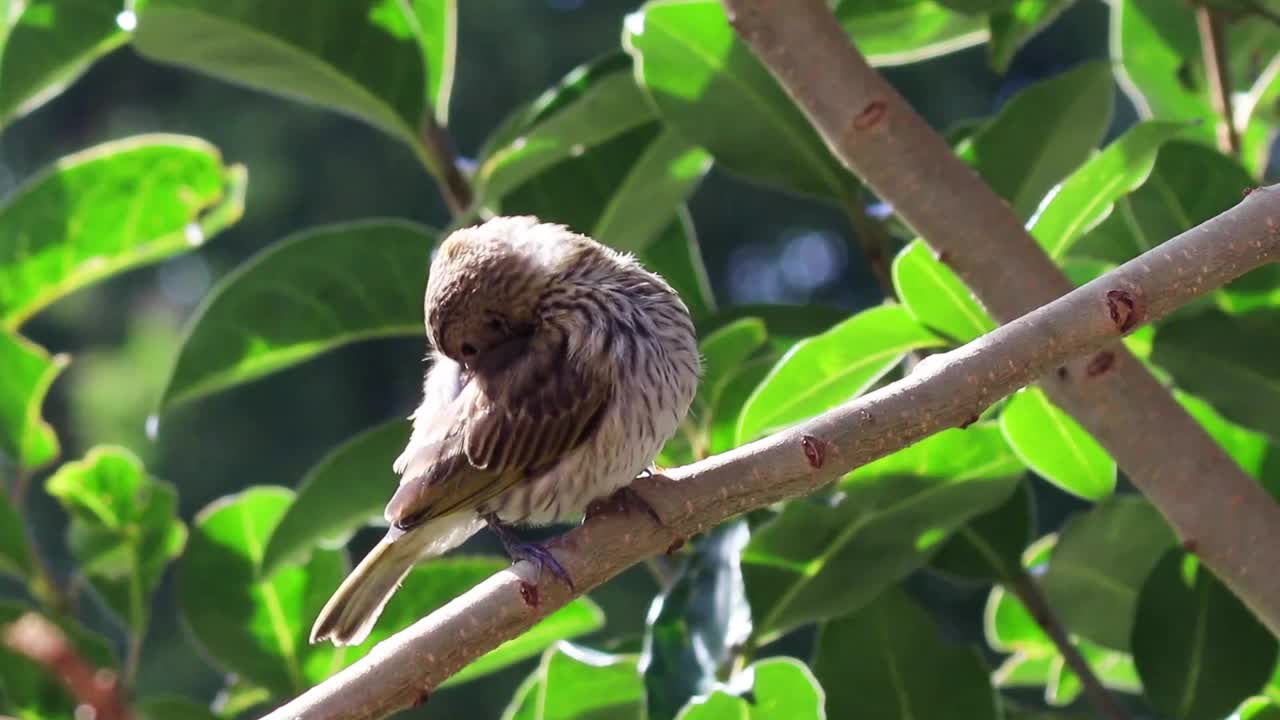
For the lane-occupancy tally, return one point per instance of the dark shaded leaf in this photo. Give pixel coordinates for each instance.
(29, 371)
(575, 683)
(1019, 22)
(990, 546)
(779, 688)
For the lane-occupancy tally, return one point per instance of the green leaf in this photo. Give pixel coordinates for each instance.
(329, 508)
(780, 688)
(674, 254)
(1098, 565)
(29, 371)
(899, 32)
(1225, 359)
(1258, 708)
(124, 528)
(936, 296)
(173, 707)
(31, 693)
(1014, 25)
(1113, 669)
(819, 373)
(256, 627)
(990, 546)
(889, 660)
(575, 683)
(48, 45)
(364, 59)
(1054, 445)
(1086, 198)
(820, 559)
(1042, 134)
(105, 210)
(15, 552)
(1156, 43)
(710, 88)
(696, 624)
(1252, 451)
(307, 294)
(1198, 649)
(430, 585)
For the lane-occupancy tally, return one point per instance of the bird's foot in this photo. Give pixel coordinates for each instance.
(535, 553)
(623, 500)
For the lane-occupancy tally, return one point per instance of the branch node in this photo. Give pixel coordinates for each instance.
(529, 594)
(815, 450)
(870, 116)
(1190, 545)
(1063, 373)
(674, 546)
(942, 256)
(1100, 363)
(970, 420)
(1124, 310)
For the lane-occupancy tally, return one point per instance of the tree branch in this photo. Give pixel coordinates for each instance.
(944, 391)
(1213, 47)
(454, 186)
(1161, 448)
(1029, 592)
(37, 638)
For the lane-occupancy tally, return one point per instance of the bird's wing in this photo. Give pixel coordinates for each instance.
(503, 430)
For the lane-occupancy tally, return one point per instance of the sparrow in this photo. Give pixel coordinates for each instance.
(559, 368)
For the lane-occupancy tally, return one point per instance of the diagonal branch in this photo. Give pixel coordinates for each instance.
(1161, 448)
(1213, 47)
(944, 391)
(41, 641)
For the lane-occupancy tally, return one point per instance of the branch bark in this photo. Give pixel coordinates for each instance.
(44, 643)
(944, 391)
(454, 186)
(873, 130)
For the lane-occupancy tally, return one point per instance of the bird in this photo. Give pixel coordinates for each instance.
(559, 368)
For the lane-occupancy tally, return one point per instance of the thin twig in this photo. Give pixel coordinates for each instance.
(874, 131)
(42, 641)
(1213, 47)
(454, 186)
(1025, 587)
(945, 391)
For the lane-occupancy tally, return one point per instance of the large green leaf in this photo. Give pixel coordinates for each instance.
(250, 625)
(1252, 451)
(124, 528)
(1225, 359)
(989, 547)
(1198, 649)
(1156, 45)
(309, 293)
(821, 559)
(48, 45)
(1054, 445)
(889, 661)
(897, 32)
(575, 683)
(710, 88)
(110, 208)
(431, 585)
(28, 372)
(386, 62)
(346, 490)
(1042, 134)
(780, 688)
(936, 296)
(697, 623)
(174, 707)
(1014, 25)
(1086, 198)
(1098, 565)
(824, 371)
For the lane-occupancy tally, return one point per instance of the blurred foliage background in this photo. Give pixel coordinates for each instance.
(309, 166)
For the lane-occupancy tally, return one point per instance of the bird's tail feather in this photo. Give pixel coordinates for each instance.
(354, 608)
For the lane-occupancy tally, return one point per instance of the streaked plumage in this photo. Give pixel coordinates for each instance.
(560, 367)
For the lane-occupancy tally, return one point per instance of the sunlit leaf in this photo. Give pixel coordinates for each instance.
(780, 688)
(309, 293)
(1014, 25)
(28, 372)
(897, 32)
(1054, 445)
(575, 683)
(819, 373)
(936, 296)
(108, 209)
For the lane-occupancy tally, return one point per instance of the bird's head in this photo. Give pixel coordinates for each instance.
(484, 289)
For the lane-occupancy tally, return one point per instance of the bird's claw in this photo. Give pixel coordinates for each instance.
(535, 553)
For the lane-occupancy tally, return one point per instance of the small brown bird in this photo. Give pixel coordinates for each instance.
(560, 369)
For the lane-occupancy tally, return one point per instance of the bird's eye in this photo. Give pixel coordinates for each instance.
(468, 349)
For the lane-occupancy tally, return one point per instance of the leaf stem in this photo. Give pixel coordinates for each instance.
(454, 186)
(1028, 591)
(1213, 47)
